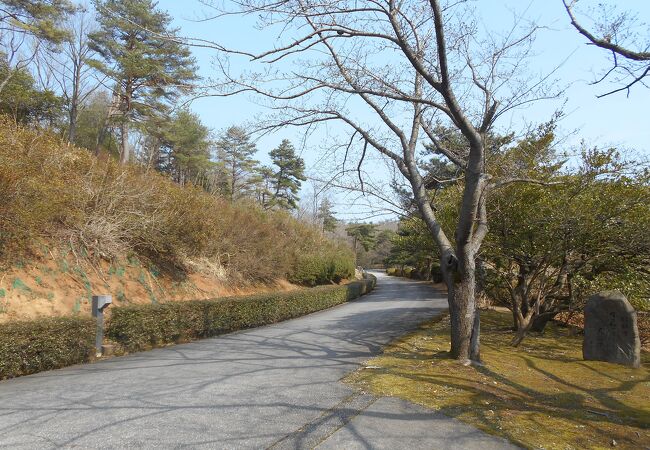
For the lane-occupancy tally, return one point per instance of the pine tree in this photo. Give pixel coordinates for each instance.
(288, 176)
(149, 69)
(263, 186)
(24, 26)
(364, 234)
(40, 18)
(237, 167)
(326, 216)
(187, 142)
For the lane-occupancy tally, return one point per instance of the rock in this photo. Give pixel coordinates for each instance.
(611, 332)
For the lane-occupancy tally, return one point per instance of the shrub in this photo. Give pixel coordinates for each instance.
(44, 344)
(323, 267)
(436, 273)
(145, 326)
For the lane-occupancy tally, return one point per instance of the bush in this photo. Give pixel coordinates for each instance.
(436, 273)
(145, 326)
(44, 344)
(325, 267)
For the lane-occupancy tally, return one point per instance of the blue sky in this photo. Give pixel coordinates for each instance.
(614, 120)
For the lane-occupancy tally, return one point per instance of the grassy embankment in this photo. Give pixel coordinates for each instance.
(540, 395)
(73, 225)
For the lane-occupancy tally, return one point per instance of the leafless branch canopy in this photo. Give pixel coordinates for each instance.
(394, 73)
(614, 34)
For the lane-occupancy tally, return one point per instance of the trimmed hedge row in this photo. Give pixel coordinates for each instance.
(141, 327)
(433, 273)
(32, 346)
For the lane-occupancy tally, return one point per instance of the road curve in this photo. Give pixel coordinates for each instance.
(276, 386)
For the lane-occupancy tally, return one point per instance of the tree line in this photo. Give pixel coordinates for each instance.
(112, 79)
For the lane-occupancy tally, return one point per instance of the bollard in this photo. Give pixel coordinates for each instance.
(100, 302)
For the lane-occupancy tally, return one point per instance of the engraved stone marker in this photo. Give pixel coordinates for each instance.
(611, 332)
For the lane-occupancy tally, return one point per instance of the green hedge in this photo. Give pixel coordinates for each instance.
(44, 344)
(315, 269)
(144, 326)
(418, 274)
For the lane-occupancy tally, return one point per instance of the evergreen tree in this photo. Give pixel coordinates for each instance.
(236, 166)
(187, 142)
(288, 176)
(263, 186)
(326, 216)
(24, 102)
(364, 234)
(40, 18)
(149, 69)
(92, 125)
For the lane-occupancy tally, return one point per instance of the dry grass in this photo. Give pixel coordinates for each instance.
(101, 210)
(540, 395)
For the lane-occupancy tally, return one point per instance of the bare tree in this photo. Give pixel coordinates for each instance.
(75, 79)
(614, 32)
(17, 52)
(414, 66)
(25, 26)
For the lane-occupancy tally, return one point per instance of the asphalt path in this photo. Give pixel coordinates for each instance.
(270, 387)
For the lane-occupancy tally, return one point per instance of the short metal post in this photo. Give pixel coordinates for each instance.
(100, 302)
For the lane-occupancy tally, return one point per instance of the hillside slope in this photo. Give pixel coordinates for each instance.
(72, 225)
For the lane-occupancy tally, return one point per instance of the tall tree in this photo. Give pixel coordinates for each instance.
(68, 65)
(235, 153)
(411, 66)
(286, 179)
(139, 52)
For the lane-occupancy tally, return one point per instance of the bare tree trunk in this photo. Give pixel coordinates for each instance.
(72, 121)
(74, 102)
(124, 155)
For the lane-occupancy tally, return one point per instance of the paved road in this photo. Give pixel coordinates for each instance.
(275, 386)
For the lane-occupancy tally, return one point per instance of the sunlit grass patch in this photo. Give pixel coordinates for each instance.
(540, 395)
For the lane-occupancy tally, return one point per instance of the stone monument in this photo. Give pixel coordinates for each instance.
(611, 331)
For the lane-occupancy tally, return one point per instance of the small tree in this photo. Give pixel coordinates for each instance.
(286, 179)
(138, 50)
(549, 245)
(92, 129)
(24, 102)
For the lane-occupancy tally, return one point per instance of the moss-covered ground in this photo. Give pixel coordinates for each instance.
(539, 395)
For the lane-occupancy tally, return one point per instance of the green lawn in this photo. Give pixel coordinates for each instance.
(540, 395)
